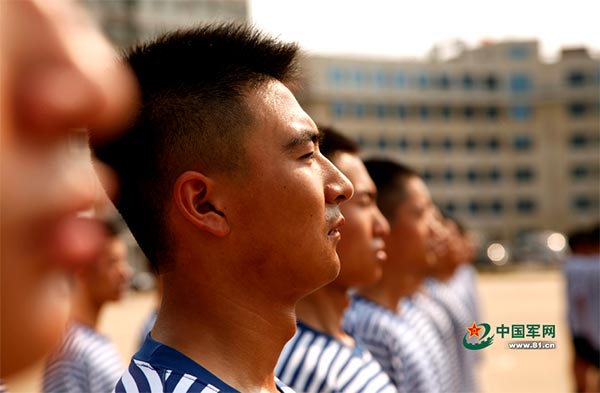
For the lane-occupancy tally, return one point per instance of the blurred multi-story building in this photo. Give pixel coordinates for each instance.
(506, 142)
(129, 21)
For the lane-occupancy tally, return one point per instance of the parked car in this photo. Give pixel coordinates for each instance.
(545, 246)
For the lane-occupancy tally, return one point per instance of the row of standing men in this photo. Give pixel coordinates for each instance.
(223, 185)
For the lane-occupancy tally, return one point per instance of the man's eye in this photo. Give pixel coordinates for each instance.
(366, 201)
(308, 155)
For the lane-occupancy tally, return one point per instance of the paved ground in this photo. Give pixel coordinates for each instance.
(524, 297)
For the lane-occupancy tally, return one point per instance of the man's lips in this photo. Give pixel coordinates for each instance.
(335, 230)
(379, 248)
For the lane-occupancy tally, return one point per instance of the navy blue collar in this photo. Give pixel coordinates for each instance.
(165, 357)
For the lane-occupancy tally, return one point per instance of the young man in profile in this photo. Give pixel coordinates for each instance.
(228, 195)
(322, 357)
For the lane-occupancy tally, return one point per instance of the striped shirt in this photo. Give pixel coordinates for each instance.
(393, 343)
(439, 319)
(583, 297)
(159, 368)
(464, 284)
(461, 317)
(313, 361)
(85, 362)
(422, 325)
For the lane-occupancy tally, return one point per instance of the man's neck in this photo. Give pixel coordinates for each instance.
(239, 342)
(391, 289)
(84, 310)
(323, 310)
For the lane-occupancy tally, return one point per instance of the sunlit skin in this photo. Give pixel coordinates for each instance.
(409, 242)
(102, 281)
(249, 246)
(451, 250)
(410, 247)
(57, 74)
(361, 251)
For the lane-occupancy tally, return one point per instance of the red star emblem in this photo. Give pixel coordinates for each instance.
(474, 330)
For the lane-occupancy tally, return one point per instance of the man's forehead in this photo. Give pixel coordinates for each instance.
(274, 106)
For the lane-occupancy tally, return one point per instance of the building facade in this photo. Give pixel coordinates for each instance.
(506, 142)
(127, 22)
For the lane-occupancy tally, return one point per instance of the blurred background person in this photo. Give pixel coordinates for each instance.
(87, 361)
(582, 271)
(322, 357)
(382, 315)
(455, 292)
(57, 74)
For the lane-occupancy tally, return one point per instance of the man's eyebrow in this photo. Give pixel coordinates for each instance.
(305, 136)
(370, 194)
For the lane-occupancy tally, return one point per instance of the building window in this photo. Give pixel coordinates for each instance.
(518, 52)
(577, 109)
(449, 208)
(423, 81)
(337, 108)
(492, 112)
(579, 141)
(497, 207)
(358, 78)
(401, 111)
(444, 82)
(524, 175)
(382, 143)
(468, 82)
(446, 112)
(526, 206)
(495, 175)
(379, 79)
(469, 112)
(494, 144)
(472, 176)
(336, 76)
(447, 144)
(361, 141)
(520, 83)
(579, 172)
(425, 144)
(403, 144)
(582, 203)
(380, 111)
(427, 176)
(491, 82)
(576, 78)
(400, 80)
(424, 112)
(522, 143)
(474, 207)
(449, 176)
(359, 110)
(471, 144)
(521, 112)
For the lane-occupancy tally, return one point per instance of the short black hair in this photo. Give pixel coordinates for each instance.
(194, 116)
(332, 142)
(390, 178)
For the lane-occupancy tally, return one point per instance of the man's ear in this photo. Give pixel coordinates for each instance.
(193, 194)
